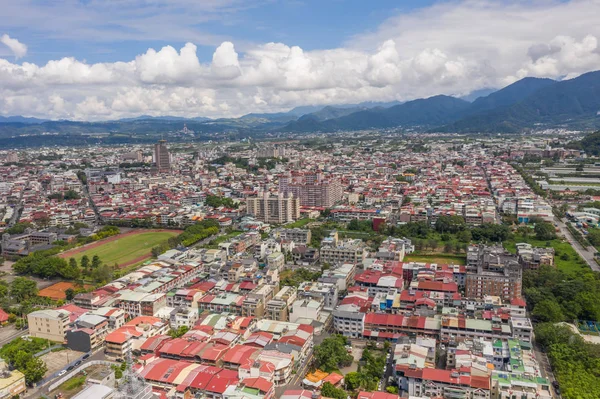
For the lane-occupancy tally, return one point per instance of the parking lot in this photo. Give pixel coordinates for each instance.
(57, 361)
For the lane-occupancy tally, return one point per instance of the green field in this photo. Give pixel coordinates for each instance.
(123, 250)
(437, 258)
(298, 223)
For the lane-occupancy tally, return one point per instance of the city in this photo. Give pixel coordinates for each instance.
(258, 269)
(292, 199)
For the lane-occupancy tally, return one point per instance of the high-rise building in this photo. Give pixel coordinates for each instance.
(162, 158)
(312, 189)
(278, 208)
(491, 270)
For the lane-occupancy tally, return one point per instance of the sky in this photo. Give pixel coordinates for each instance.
(109, 59)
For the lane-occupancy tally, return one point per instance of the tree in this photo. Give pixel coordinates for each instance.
(179, 332)
(449, 224)
(548, 310)
(353, 380)
(544, 231)
(331, 354)
(70, 294)
(102, 274)
(34, 370)
(464, 236)
(329, 391)
(22, 288)
(85, 262)
(96, 262)
(72, 262)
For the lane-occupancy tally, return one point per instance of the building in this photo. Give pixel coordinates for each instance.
(274, 208)
(278, 308)
(312, 189)
(12, 383)
(492, 271)
(349, 251)
(162, 158)
(299, 236)
(533, 257)
(50, 324)
(430, 382)
(326, 291)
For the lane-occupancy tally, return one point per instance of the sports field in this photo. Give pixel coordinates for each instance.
(123, 249)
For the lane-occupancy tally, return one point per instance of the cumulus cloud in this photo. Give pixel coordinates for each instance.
(449, 48)
(18, 48)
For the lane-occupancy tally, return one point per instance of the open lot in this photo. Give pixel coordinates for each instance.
(57, 361)
(123, 249)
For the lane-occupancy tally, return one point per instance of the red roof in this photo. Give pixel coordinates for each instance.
(259, 383)
(3, 316)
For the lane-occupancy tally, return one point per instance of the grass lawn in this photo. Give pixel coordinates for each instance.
(437, 258)
(299, 223)
(127, 249)
(565, 257)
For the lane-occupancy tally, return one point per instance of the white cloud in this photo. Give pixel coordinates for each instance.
(18, 48)
(450, 48)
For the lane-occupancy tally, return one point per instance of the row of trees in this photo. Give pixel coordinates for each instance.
(191, 235)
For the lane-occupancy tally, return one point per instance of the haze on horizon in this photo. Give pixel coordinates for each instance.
(98, 60)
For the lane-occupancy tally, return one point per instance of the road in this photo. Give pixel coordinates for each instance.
(545, 368)
(9, 336)
(33, 393)
(18, 209)
(586, 253)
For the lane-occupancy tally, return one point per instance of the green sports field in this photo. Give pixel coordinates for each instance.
(127, 249)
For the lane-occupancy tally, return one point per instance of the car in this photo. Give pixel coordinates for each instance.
(71, 367)
(119, 360)
(77, 363)
(62, 372)
(557, 391)
(86, 355)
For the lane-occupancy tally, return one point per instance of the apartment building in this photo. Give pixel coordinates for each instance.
(299, 236)
(327, 291)
(492, 271)
(274, 208)
(431, 382)
(278, 307)
(342, 276)
(254, 303)
(312, 189)
(348, 251)
(50, 324)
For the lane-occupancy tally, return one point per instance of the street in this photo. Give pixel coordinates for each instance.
(586, 253)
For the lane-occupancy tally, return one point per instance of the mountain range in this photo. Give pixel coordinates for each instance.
(530, 103)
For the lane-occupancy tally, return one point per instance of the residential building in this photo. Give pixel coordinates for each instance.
(274, 208)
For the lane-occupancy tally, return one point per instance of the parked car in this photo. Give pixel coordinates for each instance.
(77, 363)
(71, 367)
(86, 355)
(62, 372)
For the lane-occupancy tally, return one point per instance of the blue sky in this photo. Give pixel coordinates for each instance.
(105, 59)
(309, 24)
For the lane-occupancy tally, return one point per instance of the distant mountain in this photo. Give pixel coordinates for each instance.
(432, 111)
(509, 95)
(166, 118)
(331, 112)
(474, 95)
(573, 103)
(21, 119)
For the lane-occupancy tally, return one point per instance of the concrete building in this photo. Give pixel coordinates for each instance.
(349, 251)
(299, 236)
(492, 271)
(327, 291)
(162, 158)
(312, 189)
(278, 208)
(12, 383)
(278, 307)
(49, 324)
